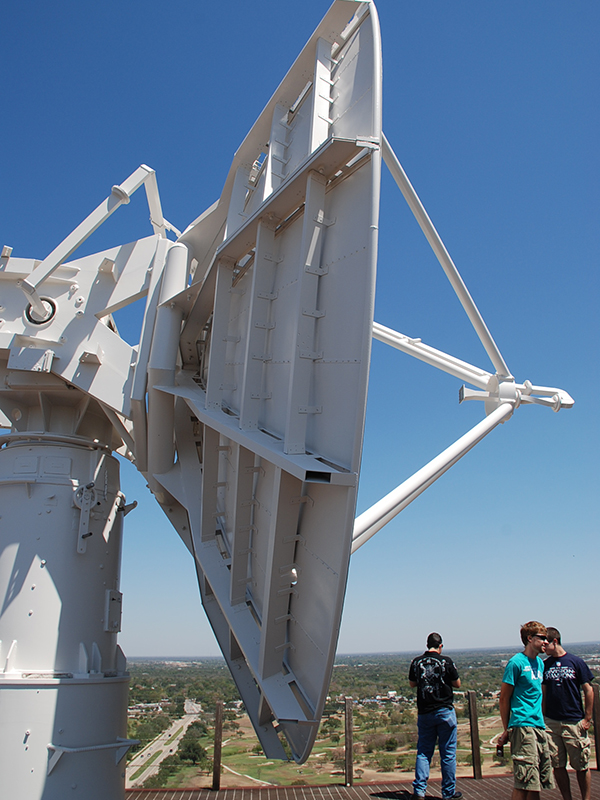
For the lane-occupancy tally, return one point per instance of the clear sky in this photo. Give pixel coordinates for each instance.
(493, 110)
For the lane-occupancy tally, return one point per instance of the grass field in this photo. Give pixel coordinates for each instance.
(243, 766)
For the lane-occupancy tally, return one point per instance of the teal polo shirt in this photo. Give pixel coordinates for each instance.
(525, 675)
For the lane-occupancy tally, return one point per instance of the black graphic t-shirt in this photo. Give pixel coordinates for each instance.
(433, 674)
(563, 676)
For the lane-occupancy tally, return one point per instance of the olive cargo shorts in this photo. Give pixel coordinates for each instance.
(568, 738)
(532, 766)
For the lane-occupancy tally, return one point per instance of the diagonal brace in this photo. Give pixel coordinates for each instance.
(438, 247)
(373, 520)
(119, 195)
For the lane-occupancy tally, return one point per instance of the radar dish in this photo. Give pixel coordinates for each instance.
(243, 405)
(276, 350)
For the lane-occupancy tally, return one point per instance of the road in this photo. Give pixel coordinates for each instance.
(158, 747)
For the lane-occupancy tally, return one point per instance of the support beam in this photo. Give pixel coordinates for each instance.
(374, 519)
(277, 158)
(119, 195)
(596, 717)
(309, 273)
(210, 477)
(235, 212)
(285, 509)
(438, 247)
(321, 96)
(474, 728)
(216, 780)
(259, 315)
(242, 524)
(435, 358)
(218, 335)
(348, 742)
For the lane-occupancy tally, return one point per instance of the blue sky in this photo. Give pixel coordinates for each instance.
(493, 110)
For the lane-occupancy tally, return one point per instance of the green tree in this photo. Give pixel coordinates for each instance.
(386, 762)
(191, 750)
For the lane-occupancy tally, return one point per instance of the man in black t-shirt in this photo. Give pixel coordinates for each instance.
(434, 675)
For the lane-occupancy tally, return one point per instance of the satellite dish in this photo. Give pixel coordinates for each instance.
(275, 372)
(243, 405)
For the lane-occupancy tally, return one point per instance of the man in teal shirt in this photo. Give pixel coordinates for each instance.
(521, 713)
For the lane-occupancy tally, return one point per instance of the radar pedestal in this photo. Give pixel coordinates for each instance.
(63, 679)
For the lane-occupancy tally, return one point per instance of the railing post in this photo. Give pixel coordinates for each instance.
(349, 743)
(216, 781)
(474, 723)
(596, 718)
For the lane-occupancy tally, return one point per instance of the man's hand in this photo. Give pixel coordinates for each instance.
(502, 739)
(585, 724)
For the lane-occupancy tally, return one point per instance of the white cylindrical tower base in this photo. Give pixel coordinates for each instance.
(63, 679)
(60, 739)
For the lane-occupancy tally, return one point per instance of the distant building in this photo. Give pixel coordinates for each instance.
(139, 709)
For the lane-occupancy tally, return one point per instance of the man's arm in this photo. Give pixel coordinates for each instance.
(544, 699)
(456, 681)
(588, 699)
(412, 675)
(506, 693)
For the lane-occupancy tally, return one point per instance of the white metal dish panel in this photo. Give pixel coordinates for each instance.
(279, 335)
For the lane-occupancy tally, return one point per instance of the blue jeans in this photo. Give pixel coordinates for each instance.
(437, 726)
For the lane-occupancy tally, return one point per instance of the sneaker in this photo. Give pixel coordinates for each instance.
(455, 796)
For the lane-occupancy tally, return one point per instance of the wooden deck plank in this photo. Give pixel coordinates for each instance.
(494, 788)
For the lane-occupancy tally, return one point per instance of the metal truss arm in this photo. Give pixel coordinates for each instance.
(369, 522)
(438, 247)
(435, 358)
(494, 391)
(119, 195)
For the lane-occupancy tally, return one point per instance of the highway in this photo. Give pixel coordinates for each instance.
(157, 749)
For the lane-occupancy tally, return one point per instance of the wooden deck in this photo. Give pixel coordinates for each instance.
(496, 788)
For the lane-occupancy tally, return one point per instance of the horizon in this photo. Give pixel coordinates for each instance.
(497, 649)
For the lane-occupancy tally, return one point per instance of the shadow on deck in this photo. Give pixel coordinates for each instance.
(494, 788)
